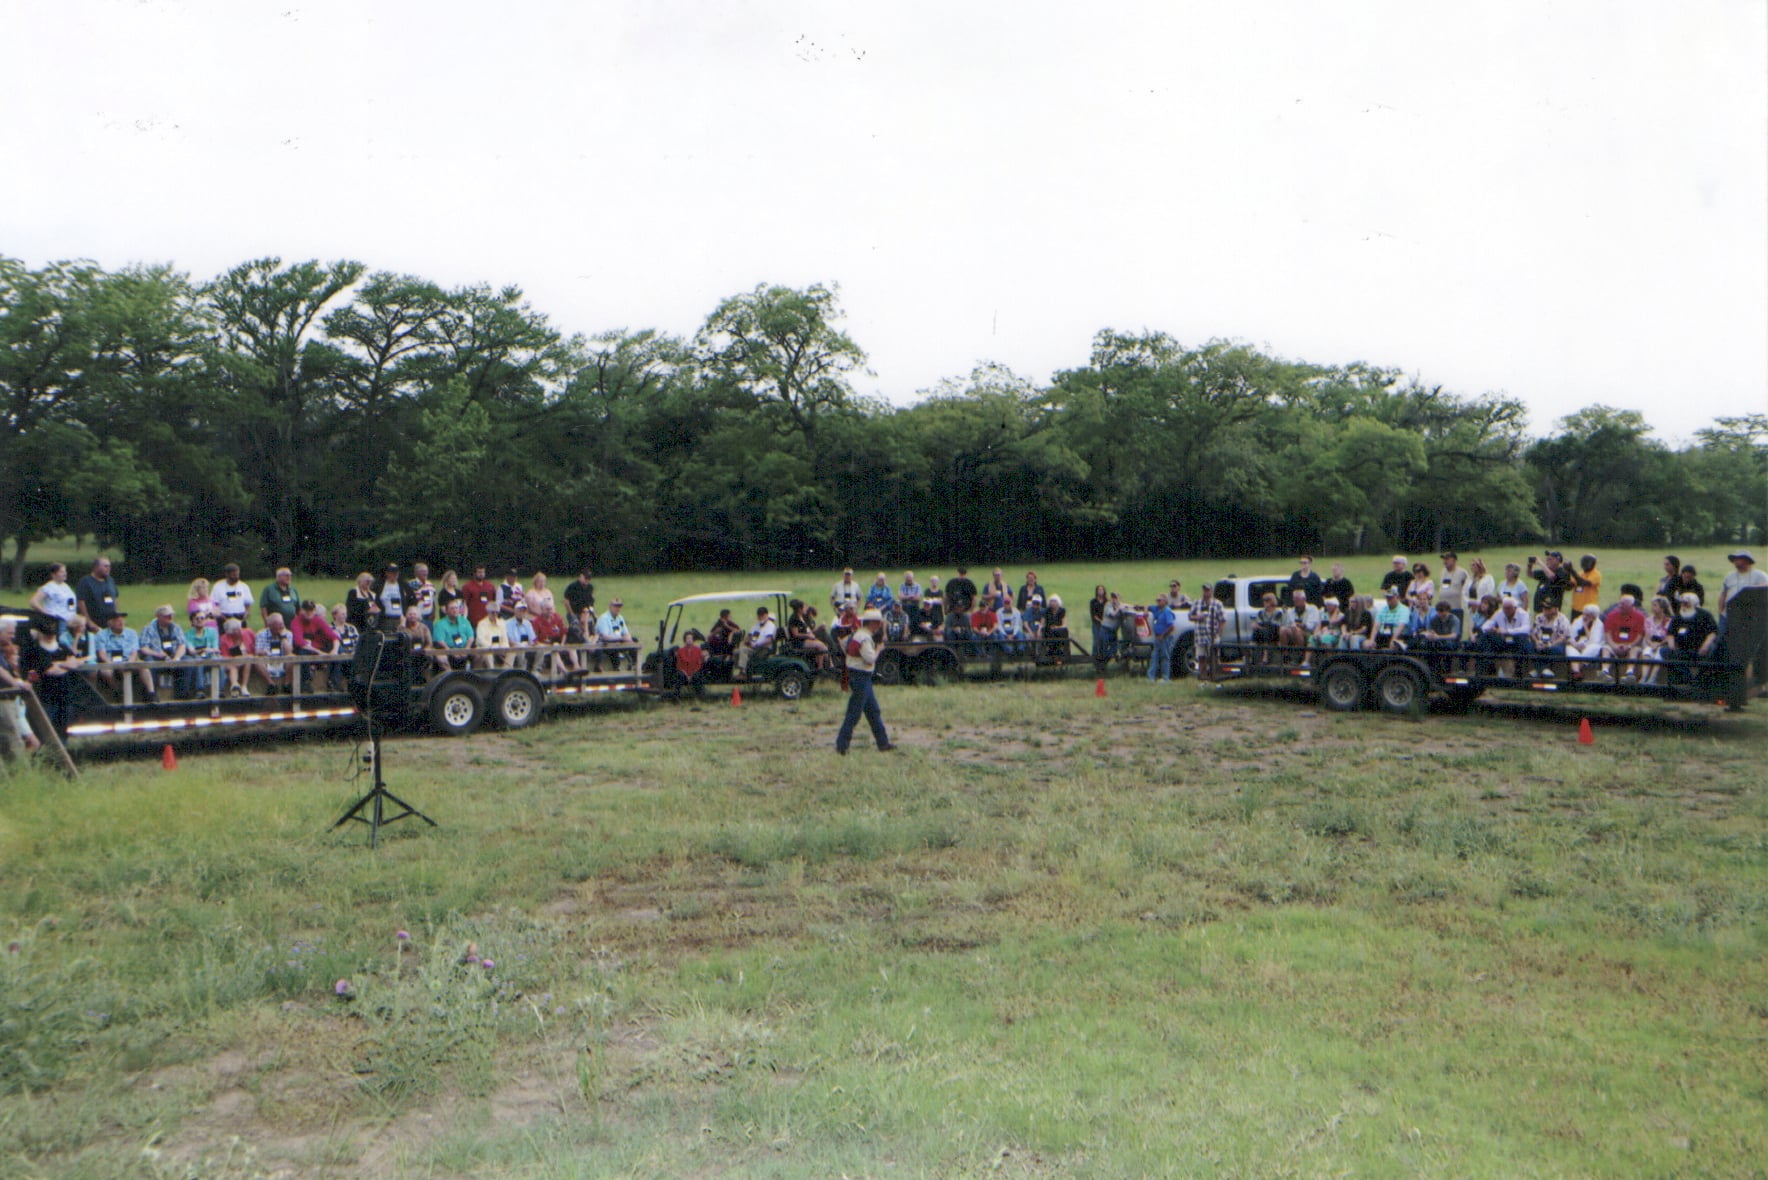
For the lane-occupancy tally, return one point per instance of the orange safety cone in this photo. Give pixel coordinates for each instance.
(1586, 736)
(1099, 688)
(736, 697)
(168, 758)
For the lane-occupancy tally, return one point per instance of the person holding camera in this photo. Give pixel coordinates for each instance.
(1553, 579)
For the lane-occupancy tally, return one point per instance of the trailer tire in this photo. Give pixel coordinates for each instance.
(935, 667)
(1342, 687)
(791, 684)
(516, 701)
(1400, 690)
(888, 669)
(457, 708)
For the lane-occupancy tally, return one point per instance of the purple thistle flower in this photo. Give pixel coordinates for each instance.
(342, 987)
(402, 935)
(489, 964)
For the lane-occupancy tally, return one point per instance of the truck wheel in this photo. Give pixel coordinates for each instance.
(1399, 690)
(457, 708)
(791, 685)
(1185, 658)
(888, 669)
(516, 702)
(1342, 687)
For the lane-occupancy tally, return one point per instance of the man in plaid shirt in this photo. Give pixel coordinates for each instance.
(1209, 617)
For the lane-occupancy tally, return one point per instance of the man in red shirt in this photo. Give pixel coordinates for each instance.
(313, 637)
(480, 593)
(1623, 632)
(549, 627)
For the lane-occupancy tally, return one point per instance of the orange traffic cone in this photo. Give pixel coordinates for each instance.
(168, 758)
(1099, 688)
(736, 697)
(1586, 736)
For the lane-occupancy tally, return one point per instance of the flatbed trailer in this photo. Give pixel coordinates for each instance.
(929, 661)
(508, 686)
(1400, 681)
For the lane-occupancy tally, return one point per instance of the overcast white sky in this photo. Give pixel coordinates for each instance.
(1567, 202)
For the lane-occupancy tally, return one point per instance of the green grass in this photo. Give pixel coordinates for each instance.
(1173, 932)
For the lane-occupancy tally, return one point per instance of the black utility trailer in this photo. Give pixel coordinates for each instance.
(929, 661)
(508, 686)
(1400, 681)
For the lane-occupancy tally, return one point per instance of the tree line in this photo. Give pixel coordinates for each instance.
(326, 417)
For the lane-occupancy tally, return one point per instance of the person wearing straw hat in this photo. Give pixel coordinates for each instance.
(862, 659)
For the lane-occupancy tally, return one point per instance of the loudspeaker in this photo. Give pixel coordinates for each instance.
(381, 675)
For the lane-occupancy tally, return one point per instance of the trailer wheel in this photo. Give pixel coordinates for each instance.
(934, 668)
(516, 702)
(1342, 687)
(888, 669)
(457, 708)
(1400, 690)
(791, 684)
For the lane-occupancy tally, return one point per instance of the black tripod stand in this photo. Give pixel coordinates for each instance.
(377, 798)
(365, 670)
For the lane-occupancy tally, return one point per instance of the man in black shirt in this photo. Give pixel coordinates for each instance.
(1693, 634)
(1338, 586)
(1555, 579)
(960, 593)
(96, 594)
(1308, 582)
(580, 594)
(1399, 577)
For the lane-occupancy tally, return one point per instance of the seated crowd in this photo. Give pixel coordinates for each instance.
(1515, 626)
(478, 624)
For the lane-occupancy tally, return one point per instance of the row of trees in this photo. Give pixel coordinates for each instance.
(326, 416)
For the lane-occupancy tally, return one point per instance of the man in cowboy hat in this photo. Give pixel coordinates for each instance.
(862, 658)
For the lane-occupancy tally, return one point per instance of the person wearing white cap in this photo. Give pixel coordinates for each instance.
(861, 650)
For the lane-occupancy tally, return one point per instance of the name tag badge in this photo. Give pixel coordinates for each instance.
(108, 600)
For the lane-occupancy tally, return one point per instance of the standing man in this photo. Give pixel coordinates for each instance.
(1308, 582)
(1399, 576)
(233, 598)
(96, 595)
(862, 659)
(280, 598)
(1165, 626)
(1454, 591)
(480, 593)
(580, 594)
(1743, 576)
(423, 592)
(1210, 618)
(960, 593)
(846, 595)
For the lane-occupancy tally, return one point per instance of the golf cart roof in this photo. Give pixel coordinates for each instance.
(731, 596)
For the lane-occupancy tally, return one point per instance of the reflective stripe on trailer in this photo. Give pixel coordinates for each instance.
(575, 689)
(100, 728)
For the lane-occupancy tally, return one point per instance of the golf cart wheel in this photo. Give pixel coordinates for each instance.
(516, 702)
(1399, 690)
(1342, 688)
(457, 708)
(791, 685)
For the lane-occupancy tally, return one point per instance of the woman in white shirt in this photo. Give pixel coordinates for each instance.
(1480, 583)
(55, 597)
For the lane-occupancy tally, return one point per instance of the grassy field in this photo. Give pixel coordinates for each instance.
(1175, 931)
